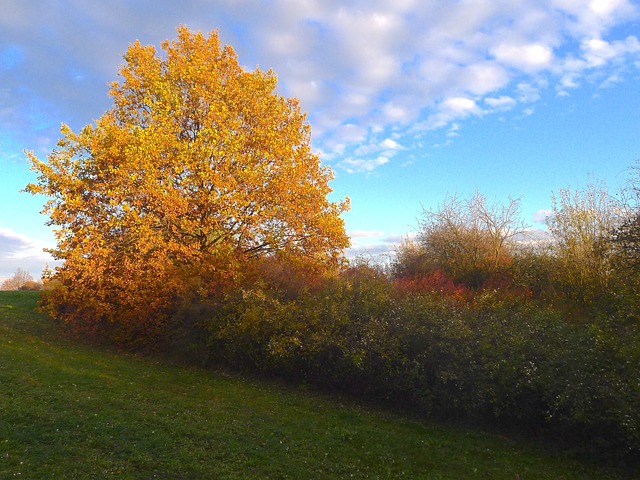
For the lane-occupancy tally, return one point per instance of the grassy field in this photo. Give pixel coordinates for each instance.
(73, 411)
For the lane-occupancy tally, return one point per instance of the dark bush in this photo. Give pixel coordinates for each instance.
(493, 358)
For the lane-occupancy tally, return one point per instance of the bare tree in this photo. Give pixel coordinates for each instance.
(470, 239)
(19, 279)
(502, 222)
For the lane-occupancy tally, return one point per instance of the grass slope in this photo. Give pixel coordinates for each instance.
(72, 411)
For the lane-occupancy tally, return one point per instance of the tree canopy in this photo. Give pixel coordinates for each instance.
(199, 166)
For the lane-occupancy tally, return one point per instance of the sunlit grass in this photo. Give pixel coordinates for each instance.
(72, 411)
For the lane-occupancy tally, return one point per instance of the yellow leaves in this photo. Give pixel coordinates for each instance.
(197, 166)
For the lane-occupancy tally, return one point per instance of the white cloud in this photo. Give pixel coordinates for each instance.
(359, 68)
(367, 149)
(365, 233)
(541, 216)
(394, 112)
(450, 110)
(385, 64)
(453, 130)
(535, 237)
(592, 18)
(527, 93)
(500, 103)
(604, 7)
(21, 251)
(459, 107)
(365, 243)
(598, 52)
(368, 157)
(360, 165)
(350, 134)
(395, 238)
(528, 57)
(382, 247)
(390, 144)
(484, 77)
(379, 252)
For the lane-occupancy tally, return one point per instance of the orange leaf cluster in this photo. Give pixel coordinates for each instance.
(198, 168)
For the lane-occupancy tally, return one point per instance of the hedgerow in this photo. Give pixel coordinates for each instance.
(487, 357)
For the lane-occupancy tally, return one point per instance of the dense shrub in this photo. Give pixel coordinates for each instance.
(31, 285)
(490, 357)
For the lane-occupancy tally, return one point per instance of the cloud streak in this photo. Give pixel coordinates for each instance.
(375, 244)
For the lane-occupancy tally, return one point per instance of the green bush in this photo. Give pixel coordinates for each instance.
(498, 359)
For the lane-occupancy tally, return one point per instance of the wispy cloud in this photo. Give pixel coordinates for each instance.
(365, 234)
(500, 103)
(375, 244)
(541, 216)
(359, 165)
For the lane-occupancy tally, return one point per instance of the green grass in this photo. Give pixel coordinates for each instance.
(72, 411)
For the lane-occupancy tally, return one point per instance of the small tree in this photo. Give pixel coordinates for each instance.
(581, 224)
(19, 279)
(47, 273)
(408, 260)
(469, 240)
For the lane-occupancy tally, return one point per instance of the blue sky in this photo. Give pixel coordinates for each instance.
(408, 100)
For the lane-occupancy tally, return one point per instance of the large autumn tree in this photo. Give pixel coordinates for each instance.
(198, 168)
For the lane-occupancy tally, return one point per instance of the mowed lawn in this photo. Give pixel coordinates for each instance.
(74, 411)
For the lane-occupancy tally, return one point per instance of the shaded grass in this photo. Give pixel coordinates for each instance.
(72, 411)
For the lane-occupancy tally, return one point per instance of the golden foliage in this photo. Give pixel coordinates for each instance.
(197, 167)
